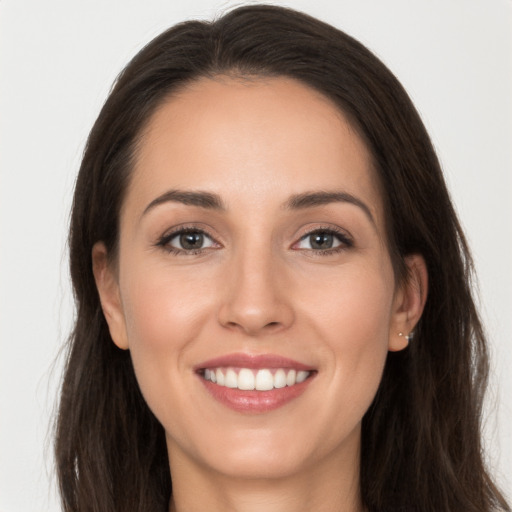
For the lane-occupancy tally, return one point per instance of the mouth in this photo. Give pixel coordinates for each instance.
(248, 379)
(254, 384)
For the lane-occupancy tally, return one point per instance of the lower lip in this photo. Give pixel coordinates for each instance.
(255, 401)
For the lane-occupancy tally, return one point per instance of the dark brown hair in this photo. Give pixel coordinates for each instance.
(421, 439)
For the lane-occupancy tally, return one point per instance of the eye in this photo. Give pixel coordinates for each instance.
(323, 240)
(191, 241)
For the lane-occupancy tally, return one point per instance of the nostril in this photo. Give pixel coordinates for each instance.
(255, 318)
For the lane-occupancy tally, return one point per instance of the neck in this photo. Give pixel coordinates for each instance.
(327, 486)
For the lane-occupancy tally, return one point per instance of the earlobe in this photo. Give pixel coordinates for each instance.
(409, 302)
(108, 290)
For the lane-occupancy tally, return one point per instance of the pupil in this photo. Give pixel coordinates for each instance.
(191, 240)
(321, 241)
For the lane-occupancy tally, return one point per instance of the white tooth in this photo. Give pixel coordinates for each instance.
(213, 377)
(231, 380)
(219, 377)
(264, 380)
(245, 379)
(280, 379)
(302, 376)
(207, 374)
(290, 378)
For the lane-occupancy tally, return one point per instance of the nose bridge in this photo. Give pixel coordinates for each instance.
(255, 299)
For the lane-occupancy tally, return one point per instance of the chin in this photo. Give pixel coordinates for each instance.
(260, 466)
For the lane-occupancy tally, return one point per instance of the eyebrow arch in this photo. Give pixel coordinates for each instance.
(190, 198)
(320, 198)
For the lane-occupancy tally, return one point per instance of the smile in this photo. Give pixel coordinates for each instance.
(255, 384)
(248, 379)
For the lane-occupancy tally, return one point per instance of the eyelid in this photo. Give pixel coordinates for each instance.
(345, 239)
(164, 240)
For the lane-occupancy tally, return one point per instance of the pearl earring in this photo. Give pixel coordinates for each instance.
(408, 337)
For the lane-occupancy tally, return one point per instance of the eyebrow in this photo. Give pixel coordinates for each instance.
(305, 200)
(190, 198)
(321, 198)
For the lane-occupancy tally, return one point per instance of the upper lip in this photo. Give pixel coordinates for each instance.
(259, 361)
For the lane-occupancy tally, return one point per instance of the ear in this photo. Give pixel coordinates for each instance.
(110, 297)
(408, 303)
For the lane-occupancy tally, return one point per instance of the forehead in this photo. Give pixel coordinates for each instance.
(264, 138)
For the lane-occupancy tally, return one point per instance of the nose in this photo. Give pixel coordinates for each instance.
(256, 298)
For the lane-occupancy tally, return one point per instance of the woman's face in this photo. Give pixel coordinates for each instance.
(252, 253)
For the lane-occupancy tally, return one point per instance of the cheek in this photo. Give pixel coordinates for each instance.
(352, 316)
(362, 322)
(352, 306)
(163, 308)
(164, 314)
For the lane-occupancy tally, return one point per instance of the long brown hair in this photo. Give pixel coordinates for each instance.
(421, 439)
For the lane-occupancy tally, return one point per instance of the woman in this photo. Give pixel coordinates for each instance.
(273, 289)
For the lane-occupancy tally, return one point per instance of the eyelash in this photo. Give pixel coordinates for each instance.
(342, 237)
(345, 241)
(164, 241)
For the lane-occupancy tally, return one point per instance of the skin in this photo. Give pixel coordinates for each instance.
(257, 287)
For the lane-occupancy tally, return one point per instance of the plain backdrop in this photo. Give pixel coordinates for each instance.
(58, 60)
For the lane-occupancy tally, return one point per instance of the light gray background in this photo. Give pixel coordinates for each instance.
(57, 62)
